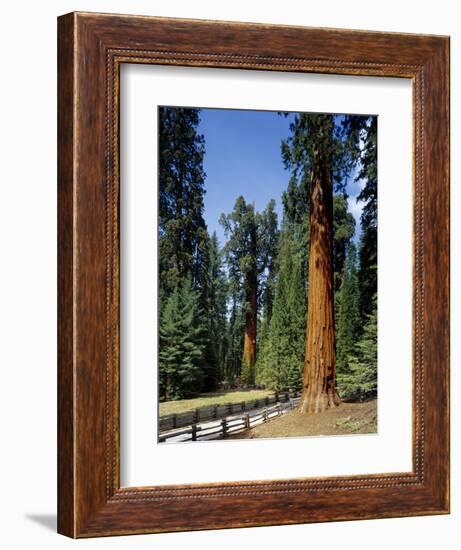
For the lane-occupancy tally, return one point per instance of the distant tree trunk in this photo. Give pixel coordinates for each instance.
(319, 379)
(249, 343)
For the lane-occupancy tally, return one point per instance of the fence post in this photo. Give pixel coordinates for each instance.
(276, 396)
(194, 432)
(224, 427)
(265, 414)
(247, 421)
(197, 415)
(279, 409)
(174, 420)
(267, 400)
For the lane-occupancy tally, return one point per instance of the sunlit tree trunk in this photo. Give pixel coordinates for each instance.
(249, 342)
(319, 379)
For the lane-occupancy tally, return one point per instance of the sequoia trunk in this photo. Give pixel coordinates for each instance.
(249, 343)
(319, 379)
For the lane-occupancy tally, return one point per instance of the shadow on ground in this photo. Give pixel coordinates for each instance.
(48, 521)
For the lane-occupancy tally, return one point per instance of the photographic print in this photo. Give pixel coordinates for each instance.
(267, 259)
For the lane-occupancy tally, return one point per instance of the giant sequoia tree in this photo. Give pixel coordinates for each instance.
(251, 246)
(320, 151)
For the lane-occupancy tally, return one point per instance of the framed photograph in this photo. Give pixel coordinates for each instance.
(253, 275)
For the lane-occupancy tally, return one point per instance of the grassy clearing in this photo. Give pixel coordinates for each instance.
(348, 418)
(208, 399)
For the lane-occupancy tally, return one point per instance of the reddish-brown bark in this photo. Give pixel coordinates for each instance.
(249, 343)
(319, 379)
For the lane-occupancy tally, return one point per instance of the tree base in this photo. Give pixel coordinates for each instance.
(318, 403)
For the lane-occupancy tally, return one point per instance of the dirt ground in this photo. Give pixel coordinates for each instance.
(348, 418)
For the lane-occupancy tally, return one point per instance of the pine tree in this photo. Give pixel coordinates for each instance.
(312, 145)
(360, 382)
(296, 209)
(281, 357)
(268, 237)
(216, 316)
(348, 319)
(234, 339)
(182, 343)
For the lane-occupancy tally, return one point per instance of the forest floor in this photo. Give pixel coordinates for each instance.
(348, 418)
(209, 399)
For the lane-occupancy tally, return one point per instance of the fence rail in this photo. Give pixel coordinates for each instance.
(179, 420)
(229, 426)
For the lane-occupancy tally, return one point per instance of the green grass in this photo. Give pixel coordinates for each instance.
(208, 399)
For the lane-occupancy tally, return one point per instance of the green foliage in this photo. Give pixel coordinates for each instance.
(233, 352)
(182, 231)
(281, 339)
(296, 210)
(318, 136)
(362, 133)
(360, 381)
(186, 252)
(250, 256)
(295, 201)
(368, 254)
(343, 231)
(281, 355)
(240, 226)
(268, 239)
(247, 373)
(348, 322)
(215, 309)
(182, 344)
(252, 242)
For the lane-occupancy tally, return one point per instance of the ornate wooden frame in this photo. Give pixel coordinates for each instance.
(91, 48)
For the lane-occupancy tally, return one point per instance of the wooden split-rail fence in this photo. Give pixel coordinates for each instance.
(228, 426)
(179, 420)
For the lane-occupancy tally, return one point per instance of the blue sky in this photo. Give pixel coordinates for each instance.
(243, 158)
